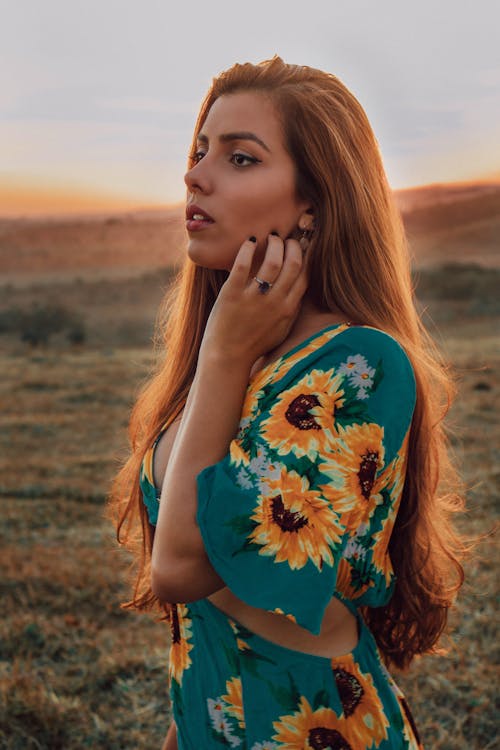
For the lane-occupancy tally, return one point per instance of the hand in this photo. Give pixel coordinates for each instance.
(244, 324)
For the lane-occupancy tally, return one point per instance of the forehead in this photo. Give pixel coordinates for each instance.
(245, 111)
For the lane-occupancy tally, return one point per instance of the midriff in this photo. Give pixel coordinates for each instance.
(338, 635)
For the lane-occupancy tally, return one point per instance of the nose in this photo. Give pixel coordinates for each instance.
(197, 178)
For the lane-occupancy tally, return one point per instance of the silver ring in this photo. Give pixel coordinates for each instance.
(264, 286)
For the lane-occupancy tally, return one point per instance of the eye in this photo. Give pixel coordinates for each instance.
(196, 157)
(239, 159)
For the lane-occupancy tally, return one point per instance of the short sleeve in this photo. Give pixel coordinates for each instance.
(313, 459)
(150, 494)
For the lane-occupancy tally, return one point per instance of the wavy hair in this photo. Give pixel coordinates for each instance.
(359, 264)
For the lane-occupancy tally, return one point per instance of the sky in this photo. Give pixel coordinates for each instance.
(99, 97)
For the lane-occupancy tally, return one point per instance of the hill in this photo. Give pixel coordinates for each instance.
(109, 246)
(457, 223)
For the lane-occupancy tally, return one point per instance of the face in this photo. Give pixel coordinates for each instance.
(242, 178)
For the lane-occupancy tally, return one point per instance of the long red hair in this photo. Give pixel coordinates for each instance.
(359, 264)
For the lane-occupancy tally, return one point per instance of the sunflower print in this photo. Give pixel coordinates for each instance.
(234, 700)
(345, 585)
(306, 729)
(380, 556)
(279, 611)
(379, 542)
(301, 422)
(365, 720)
(354, 471)
(253, 396)
(238, 455)
(240, 643)
(180, 629)
(296, 524)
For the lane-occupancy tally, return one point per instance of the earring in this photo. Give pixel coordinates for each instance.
(305, 236)
(304, 240)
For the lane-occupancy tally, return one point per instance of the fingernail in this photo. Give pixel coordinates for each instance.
(275, 233)
(253, 239)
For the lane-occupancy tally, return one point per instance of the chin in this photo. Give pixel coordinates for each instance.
(205, 259)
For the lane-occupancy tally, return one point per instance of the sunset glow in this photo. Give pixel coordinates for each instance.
(18, 200)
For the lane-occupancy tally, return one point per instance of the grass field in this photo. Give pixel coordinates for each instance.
(76, 671)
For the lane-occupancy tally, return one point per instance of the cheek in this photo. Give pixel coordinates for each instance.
(272, 205)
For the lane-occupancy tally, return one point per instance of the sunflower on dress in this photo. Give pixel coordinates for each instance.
(241, 644)
(237, 453)
(345, 584)
(180, 628)
(365, 720)
(301, 421)
(306, 728)
(252, 398)
(279, 611)
(234, 700)
(380, 556)
(394, 477)
(296, 524)
(353, 471)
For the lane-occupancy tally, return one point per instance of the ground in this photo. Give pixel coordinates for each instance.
(76, 670)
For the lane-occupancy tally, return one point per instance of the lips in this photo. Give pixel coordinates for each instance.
(196, 213)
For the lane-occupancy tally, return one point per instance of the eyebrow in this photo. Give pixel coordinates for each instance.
(244, 135)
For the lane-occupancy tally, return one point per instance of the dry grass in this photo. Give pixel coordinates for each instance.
(76, 671)
(455, 697)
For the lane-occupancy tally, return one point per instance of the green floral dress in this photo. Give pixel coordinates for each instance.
(300, 509)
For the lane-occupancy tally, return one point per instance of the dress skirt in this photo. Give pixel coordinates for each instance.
(232, 688)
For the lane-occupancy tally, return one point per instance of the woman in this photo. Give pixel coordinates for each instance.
(294, 434)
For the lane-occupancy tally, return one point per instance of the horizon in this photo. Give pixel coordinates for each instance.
(30, 201)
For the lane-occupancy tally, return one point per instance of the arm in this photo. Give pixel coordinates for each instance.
(170, 742)
(243, 325)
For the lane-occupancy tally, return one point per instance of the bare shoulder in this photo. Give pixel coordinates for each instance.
(163, 450)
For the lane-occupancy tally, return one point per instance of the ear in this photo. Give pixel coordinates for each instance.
(306, 219)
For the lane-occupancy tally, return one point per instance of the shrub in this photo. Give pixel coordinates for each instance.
(458, 282)
(10, 319)
(37, 324)
(76, 333)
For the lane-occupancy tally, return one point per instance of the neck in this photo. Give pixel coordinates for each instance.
(311, 318)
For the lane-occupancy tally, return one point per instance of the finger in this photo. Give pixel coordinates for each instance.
(292, 268)
(271, 266)
(240, 270)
